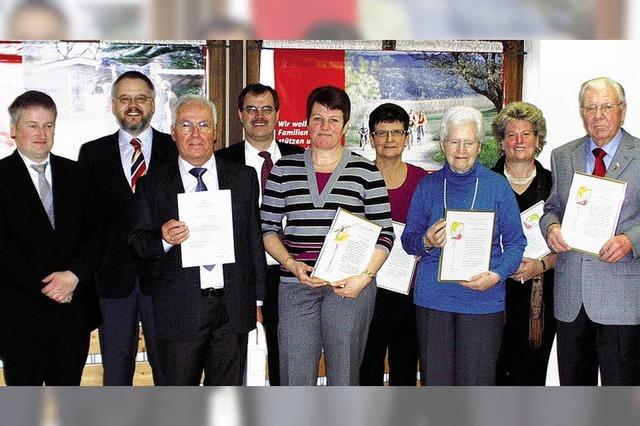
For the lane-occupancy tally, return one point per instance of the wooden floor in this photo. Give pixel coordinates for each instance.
(92, 374)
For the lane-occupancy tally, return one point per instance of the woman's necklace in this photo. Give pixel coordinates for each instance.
(520, 181)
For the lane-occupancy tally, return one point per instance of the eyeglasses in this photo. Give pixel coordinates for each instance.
(187, 127)
(253, 110)
(139, 100)
(396, 133)
(456, 143)
(605, 108)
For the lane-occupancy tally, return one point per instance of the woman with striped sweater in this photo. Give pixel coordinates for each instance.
(307, 189)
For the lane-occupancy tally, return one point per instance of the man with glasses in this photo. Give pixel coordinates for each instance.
(203, 313)
(597, 299)
(258, 107)
(115, 163)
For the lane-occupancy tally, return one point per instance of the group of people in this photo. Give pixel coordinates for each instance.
(98, 243)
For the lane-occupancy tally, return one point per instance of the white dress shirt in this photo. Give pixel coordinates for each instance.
(215, 277)
(252, 159)
(34, 175)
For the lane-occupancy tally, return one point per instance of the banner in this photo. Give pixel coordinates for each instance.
(297, 73)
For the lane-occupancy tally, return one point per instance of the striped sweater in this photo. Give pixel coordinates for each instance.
(291, 191)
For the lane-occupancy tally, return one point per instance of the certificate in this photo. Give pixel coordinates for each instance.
(208, 216)
(347, 248)
(592, 212)
(467, 249)
(396, 273)
(536, 244)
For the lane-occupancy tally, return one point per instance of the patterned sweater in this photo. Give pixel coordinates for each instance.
(291, 192)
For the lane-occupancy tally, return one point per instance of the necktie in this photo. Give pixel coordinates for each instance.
(267, 165)
(197, 172)
(44, 190)
(599, 169)
(138, 165)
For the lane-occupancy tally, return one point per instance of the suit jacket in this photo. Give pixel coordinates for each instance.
(118, 271)
(30, 249)
(610, 292)
(176, 290)
(235, 152)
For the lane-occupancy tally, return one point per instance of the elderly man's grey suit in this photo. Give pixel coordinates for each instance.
(610, 292)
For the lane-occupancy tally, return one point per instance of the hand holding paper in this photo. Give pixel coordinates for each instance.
(436, 234)
(351, 286)
(555, 240)
(615, 249)
(482, 282)
(174, 232)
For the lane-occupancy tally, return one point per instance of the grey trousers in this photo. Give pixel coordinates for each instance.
(458, 349)
(313, 319)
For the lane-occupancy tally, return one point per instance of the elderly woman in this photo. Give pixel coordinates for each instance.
(460, 324)
(530, 326)
(393, 326)
(307, 189)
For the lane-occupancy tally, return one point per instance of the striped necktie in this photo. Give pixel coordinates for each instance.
(138, 165)
(267, 165)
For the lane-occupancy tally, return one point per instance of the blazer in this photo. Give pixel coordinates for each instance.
(118, 270)
(235, 152)
(610, 292)
(30, 249)
(175, 290)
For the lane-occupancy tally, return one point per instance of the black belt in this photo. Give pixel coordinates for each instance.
(273, 268)
(211, 292)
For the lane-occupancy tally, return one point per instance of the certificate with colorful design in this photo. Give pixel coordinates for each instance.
(536, 244)
(347, 248)
(467, 249)
(593, 209)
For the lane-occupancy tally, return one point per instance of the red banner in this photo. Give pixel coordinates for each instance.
(297, 73)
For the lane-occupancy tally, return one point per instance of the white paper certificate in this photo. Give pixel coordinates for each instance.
(536, 244)
(467, 251)
(347, 248)
(592, 212)
(208, 216)
(397, 271)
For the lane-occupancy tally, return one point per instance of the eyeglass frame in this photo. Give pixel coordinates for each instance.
(607, 108)
(186, 127)
(138, 99)
(266, 110)
(467, 143)
(390, 133)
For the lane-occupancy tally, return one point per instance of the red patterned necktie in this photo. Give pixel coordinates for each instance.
(599, 169)
(138, 165)
(267, 165)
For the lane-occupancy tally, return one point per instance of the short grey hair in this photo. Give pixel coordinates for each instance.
(193, 99)
(459, 115)
(601, 83)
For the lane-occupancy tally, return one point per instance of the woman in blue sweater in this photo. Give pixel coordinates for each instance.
(460, 324)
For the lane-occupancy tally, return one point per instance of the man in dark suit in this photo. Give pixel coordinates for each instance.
(49, 250)
(203, 313)
(115, 162)
(258, 107)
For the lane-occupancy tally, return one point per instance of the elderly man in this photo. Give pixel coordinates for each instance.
(203, 314)
(49, 250)
(597, 299)
(115, 162)
(258, 107)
